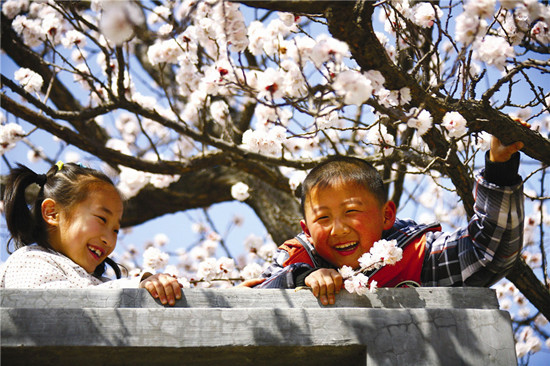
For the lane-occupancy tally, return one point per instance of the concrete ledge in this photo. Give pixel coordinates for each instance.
(438, 326)
(423, 297)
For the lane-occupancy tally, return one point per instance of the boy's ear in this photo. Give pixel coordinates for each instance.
(304, 228)
(389, 214)
(50, 212)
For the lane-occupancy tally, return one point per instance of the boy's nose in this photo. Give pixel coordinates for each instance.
(339, 228)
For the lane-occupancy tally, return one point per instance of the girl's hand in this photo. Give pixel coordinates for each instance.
(164, 287)
(324, 284)
(501, 153)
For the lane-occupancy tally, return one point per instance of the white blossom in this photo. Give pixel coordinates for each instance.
(161, 240)
(358, 284)
(480, 8)
(482, 141)
(267, 251)
(424, 14)
(219, 111)
(118, 20)
(355, 87)
(493, 50)
(265, 141)
(35, 155)
(468, 27)
(29, 29)
(239, 191)
(421, 121)
(455, 124)
(154, 258)
(382, 141)
(13, 7)
(225, 266)
(29, 80)
(346, 272)
(253, 243)
(131, 181)
(270, 83)
(164, 51)
(207, 269)
(387, 251)
(328, 49)
(10, 134)
(296, 179)
(251, 271)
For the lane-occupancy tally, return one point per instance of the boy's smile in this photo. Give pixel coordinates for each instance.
(344, 220)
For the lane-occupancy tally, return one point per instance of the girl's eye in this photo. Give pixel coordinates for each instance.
(322, 218)
(102, 219)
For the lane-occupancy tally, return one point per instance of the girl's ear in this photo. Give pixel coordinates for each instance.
(304, 228)
(50, 212)
(389, 214)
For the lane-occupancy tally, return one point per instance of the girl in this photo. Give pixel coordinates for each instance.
(73, 221)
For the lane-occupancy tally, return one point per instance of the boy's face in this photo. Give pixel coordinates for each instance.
(344, 221)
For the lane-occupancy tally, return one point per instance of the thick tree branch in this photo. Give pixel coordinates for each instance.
(59, 94)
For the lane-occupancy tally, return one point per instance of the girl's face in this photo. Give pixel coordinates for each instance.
(344, 221)
(88, 232)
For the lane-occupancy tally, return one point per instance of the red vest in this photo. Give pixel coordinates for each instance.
(407, 269)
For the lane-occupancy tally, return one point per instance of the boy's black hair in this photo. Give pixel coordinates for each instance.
(347, 169)
(67, 186)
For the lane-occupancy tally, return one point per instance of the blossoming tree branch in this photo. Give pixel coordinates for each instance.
(192, 103)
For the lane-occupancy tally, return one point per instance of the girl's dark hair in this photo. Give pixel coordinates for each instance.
(343, 168)
(67, 186)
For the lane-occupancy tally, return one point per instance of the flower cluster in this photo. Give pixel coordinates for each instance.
(383, 252)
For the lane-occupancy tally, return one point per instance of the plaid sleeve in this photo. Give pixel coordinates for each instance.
(279, 276)
(481, 253)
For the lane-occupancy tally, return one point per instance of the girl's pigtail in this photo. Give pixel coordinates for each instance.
(25, 225)
(101, 268)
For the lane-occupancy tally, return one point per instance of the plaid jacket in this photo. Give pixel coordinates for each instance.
(477, 255)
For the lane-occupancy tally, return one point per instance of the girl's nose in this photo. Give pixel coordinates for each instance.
(109, 239)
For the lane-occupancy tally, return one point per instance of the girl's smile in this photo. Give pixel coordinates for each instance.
(87, 233)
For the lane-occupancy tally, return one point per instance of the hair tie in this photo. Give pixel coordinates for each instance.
(41, 179)
(59, 165)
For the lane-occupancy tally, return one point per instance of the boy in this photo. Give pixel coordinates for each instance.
(345, 211)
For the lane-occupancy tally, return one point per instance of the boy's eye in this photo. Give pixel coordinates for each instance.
(321, 218)
(102, 219)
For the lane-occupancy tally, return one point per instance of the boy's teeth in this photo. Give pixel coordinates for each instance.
(345, 246)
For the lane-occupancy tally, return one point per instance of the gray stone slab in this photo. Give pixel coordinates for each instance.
(425, 298)
(255, 327)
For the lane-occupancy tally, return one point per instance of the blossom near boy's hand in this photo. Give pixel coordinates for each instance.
(501, 153)
(325, 283)
(164, 287)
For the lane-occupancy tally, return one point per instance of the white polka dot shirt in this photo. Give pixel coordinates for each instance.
(36, 267)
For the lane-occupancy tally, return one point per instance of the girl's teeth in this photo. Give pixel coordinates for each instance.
(96, 251)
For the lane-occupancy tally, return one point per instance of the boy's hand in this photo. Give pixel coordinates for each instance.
(164, 287)
(324, 284)
(500, 153)
(251, 283)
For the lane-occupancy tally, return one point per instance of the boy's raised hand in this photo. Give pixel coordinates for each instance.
(324, 284)
(501, 153)
(164, 287)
